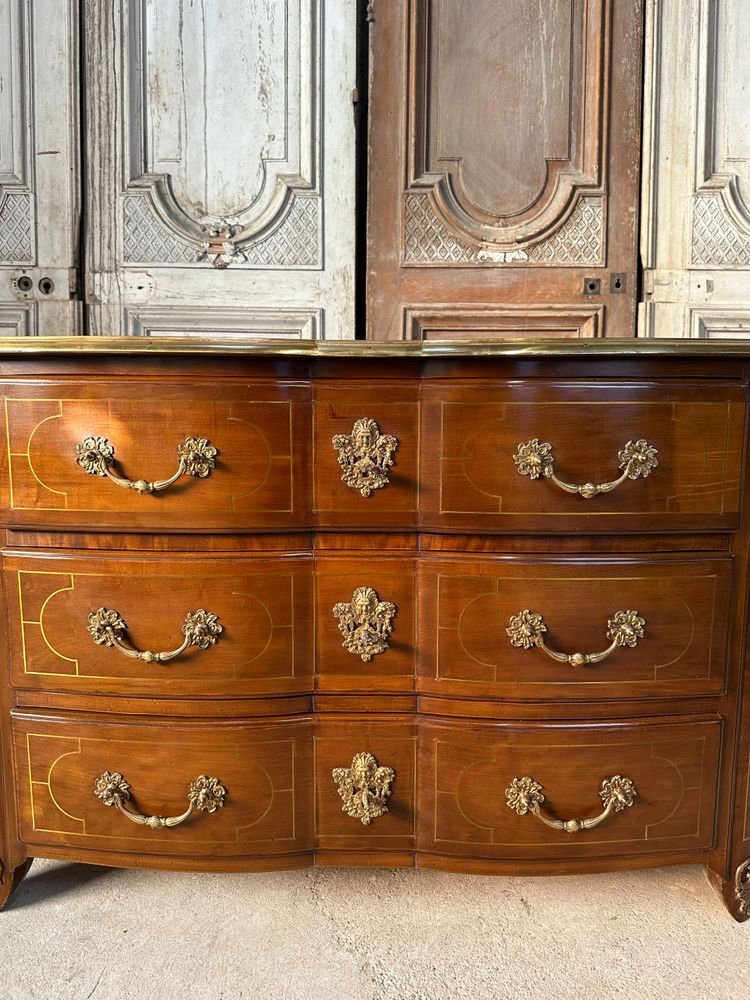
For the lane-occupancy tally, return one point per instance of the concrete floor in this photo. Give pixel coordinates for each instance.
(74, 932)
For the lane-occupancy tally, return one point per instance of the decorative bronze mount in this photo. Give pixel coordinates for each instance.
(742, 888)
(365, 456)
(205, 794)
(365, 623)
(524, 795)
(196, 456)
(624, 629)
(534, 459)
(201, 629)
(364, 787)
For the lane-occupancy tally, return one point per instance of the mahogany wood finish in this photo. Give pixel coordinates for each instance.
(457, 541)
(470, 234)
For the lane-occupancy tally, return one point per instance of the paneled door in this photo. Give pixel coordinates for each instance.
(39, 176)
(220, 166)
(504, 159)
(696, 192)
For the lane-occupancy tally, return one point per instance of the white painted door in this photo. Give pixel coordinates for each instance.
(220, 167)
(39, 177)
(695, 215)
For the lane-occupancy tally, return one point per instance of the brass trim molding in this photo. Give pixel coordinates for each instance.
(195, 457)
(524, 795)
(364, 787)
(527, 628)
(107, 628)
(521, 347)
(205, 794)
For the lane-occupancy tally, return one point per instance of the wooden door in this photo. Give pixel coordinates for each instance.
(39, 198)
(696, 194)
(220, 142)
(504, 153)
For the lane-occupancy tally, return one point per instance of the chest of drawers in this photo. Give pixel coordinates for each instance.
(477, 608)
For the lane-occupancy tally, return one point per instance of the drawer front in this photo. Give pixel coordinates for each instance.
(483, 471)
(366, 620)
(248, 622)
(261, 433)
(469, 775)
(263, 769)
(366, 454)
(378, 758)
(662, 623)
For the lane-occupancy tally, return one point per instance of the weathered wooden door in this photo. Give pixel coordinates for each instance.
(696, 192)
(504, 152)
(39, 179)
(220, 167)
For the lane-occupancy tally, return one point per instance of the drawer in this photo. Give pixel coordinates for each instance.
(661, 623)
(366, 453)
(262, 769)
(260, 431)
(484, 468)
(248, 623)
(365, 784)
(478, 784)
(366, 621)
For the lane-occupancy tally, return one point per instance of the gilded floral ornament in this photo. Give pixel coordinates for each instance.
(365, 456)
(202, 628)
(534, 459)
(364, 787)
(638, 459)
(626, 628)
(523, 795)
(742, 888)
(365, 623)
(206, 794)
(111, 788)
(617, 792)
(95, 455)
(197, 457)
(525, 629)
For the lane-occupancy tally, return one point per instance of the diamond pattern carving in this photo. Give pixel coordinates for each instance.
(580, 240)
(295, 243)
(15, 229)
(146, 240)
(717, 242)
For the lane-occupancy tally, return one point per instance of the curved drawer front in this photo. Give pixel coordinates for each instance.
(261, 434)
(475, 800)
(248, 622)
(488, 627)
(484, 462)
(259, 804)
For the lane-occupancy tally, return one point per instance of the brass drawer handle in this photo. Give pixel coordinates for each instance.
(525, 796)
(196, 457)
(365, 623)
(204, 795)
(364, 787)
(201, 629)
(365, 456)
(527, 628)
(534, 459)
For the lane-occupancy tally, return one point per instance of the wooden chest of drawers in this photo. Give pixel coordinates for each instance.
(478, 608)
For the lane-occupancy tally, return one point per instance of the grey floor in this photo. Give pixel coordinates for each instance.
(74, 932)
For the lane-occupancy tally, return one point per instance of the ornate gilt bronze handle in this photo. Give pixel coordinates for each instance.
(364, 787)
(534, 459)
(527, 628)
(204, 795)
(525, 796)
(196, 457)
(365, 456)
(201, 629)
(365, 623)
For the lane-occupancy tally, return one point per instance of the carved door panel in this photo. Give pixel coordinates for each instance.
(504, 153)
(221, 167)
(696, 193)
(38, 167)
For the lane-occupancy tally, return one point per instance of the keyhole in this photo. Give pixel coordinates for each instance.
(46, 286)
(25, 284)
